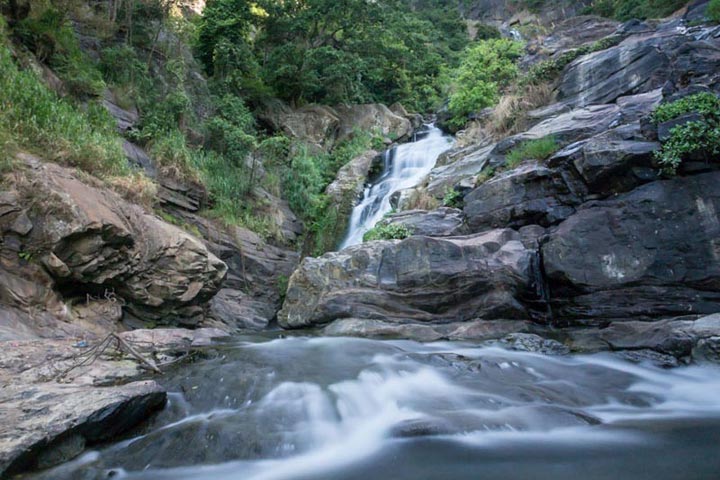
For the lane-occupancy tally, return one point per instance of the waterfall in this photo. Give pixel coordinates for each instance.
(404, 166)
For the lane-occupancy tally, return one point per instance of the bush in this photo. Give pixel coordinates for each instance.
(691, 139)
(539, 149)
(705, 103)
(713, 11)
(487, 67)
(385, 231)
(452, 198)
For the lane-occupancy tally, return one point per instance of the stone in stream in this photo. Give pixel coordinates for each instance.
(420, 279)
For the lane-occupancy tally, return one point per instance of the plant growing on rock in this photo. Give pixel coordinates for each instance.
(692, 138)
(704, 103)
(452, 198)
(539, 149)
(387, 231)
(698, 138)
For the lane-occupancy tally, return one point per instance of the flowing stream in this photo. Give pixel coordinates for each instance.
(404, 166)
(340, 408)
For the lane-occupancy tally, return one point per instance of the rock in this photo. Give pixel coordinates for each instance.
(660, 360)
(54, 406)
(463, 164)
(95, 244)
(324, 127)
(530, 194)
(529, 342)
(601, 77)
(441, 222)
(416, 120)
(126, 118)
(240, 311)
(372, 117)
(138, 157)
(567, 127)
(345, 191)
(614, 161)
(314, 124)
(477, 330)
(185, 195)
(676, 337)
(419, 279)
(52, 423)
(633, 257)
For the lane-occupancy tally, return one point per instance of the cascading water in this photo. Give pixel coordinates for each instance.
(404, 166)
(353, 409)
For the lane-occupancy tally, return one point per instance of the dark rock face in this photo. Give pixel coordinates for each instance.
(647, 253)
(529, 195)
(419, 279)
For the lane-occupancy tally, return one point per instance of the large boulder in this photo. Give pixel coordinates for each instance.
(648, 253)
(65, 237)
(373, 117)
(528, 195)
(314, 124)
(419, 279)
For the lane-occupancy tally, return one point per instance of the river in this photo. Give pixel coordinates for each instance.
(341, 408)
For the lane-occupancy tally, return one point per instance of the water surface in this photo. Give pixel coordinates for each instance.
(340, 408)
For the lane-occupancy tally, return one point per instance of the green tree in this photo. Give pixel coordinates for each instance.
(487, 66)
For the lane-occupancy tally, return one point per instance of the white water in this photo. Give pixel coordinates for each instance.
(350, 409)
(404, 166)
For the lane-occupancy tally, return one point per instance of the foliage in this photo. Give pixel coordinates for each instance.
(713, 11)
(700, 139)
(690, 139)
(704, 103)
(37, 119)
(387, 231)
(49, 35)
(628, 9)
(487, 66)
(539, 149)
(331, 51)
(452, 198)
(486, 174)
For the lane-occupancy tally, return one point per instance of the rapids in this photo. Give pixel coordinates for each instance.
(338, 408)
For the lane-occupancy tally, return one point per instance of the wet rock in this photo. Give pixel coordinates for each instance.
(528, 342)
(55, 404)
(422, 427)
(238, 310)
(345, 191)
(463, 164)
(441, 222)
(602, 77)
(660, 360)
(632, 256)
(420, 279)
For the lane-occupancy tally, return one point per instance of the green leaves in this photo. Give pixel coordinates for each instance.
(487, 66)
(704, 103)
(387, 231)
(697, 139)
